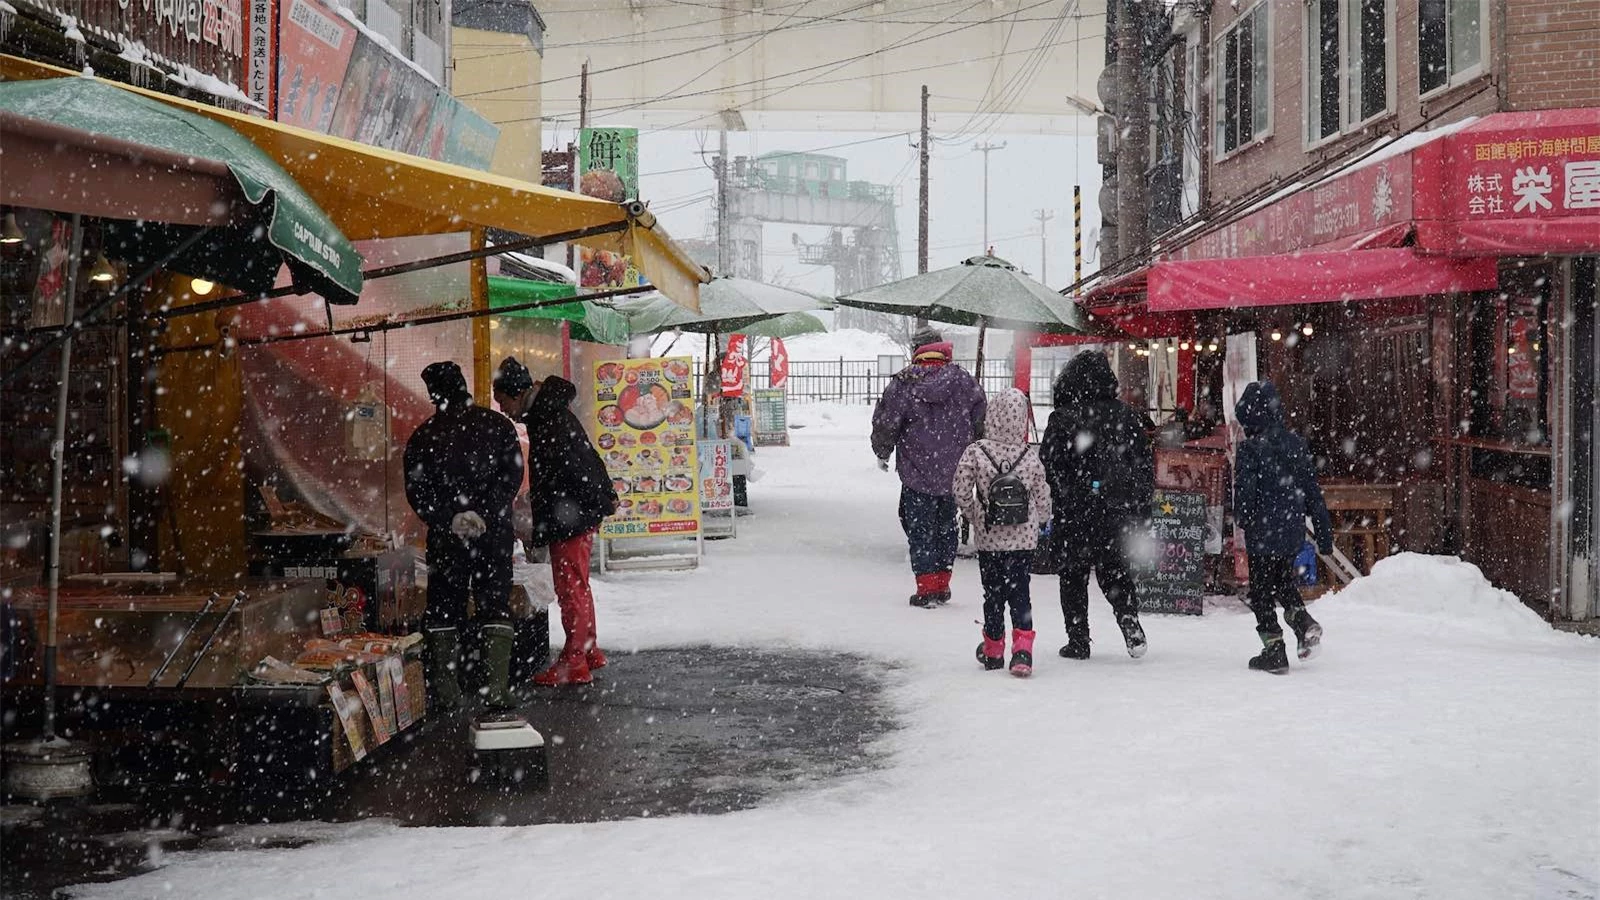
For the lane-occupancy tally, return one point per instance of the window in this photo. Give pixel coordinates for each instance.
(1450, 38)
(1244, 102)
(1347, 65)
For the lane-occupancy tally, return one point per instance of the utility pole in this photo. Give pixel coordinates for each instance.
(1077, 238)
(583, 97)
(1133, 142)
(986, 148)
(1044, 254)
(721, 170)
(922, 195)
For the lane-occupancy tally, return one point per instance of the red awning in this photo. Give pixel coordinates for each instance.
(1291, 278)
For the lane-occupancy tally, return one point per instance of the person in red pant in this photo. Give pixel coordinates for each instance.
(570, 494)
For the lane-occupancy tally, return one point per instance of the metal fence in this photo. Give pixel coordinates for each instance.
(863, 380)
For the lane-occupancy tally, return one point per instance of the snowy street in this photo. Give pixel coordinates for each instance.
(1445, 744)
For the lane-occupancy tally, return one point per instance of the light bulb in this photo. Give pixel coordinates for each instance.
(10, 233)
(1171, 349)
(1212, 347)
(1308, 331)
(101, 272)
(1184, 345)
(1133, 347)
(1277, 335)
(494, 323)
(201, 287)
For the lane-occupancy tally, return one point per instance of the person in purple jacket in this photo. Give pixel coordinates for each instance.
(931, 410)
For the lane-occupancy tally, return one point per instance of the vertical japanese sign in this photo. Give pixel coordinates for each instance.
(608, 166)
(772, 417)
(261, 50)
(716, 475)
(777, 364)
(315, 44)
(645, 411)
(734, 363)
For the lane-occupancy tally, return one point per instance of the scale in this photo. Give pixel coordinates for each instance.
(507, 750)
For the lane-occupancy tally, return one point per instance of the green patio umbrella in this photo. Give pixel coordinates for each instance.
(727, 306)
(982, 291)
(590, 321)
(785, 326)
(281, 225)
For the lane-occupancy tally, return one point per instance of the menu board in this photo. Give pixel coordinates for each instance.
(1175, 581)
(645, 410)
(772, 417)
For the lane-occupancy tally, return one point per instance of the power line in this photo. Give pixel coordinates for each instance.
(871, 140)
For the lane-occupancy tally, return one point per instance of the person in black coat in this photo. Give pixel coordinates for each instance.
(1098, 461)
(463, 467)
(1274, 490)
(570, 494)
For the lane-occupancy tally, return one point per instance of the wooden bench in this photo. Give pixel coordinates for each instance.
(1362, 515)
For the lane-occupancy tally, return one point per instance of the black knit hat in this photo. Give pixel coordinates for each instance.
(513, 379)
(924, 336)
(446, 384)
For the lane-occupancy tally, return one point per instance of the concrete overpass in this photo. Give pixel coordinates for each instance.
(824, 65)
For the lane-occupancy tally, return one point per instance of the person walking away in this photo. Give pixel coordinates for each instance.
(929, 413)
(1274, 490)
(569, 494)
(1001, 488)
(463, 468)
(1101, 471)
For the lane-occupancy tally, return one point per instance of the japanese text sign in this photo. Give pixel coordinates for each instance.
(645, 409)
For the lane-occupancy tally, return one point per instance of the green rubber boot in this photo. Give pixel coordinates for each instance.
(443, 688)
(497, 639)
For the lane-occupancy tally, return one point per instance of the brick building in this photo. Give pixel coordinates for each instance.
(1392, 209)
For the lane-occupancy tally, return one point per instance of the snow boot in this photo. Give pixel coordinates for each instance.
(1307, 633)
(992, 653)
(933, 589)
(497, 640)
(1133, 636)
(1021, 653)
(569, 669)
(1077, 646)
(596, 658)
(1274, 656)
(443, 688)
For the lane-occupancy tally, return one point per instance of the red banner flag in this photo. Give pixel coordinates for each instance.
(733, 366)
(778, 364)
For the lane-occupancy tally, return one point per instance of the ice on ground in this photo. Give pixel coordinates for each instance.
(1419, 756)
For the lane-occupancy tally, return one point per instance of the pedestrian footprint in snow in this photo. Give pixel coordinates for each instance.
(1274, 489)
(931, 410)
(1000, 485)
(1102, 481)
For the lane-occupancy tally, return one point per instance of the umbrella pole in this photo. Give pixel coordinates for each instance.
(57, 458)
(983, 327)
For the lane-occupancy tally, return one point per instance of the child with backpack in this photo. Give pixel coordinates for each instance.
(1000, 486)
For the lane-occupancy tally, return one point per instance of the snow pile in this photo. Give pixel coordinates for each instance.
(385, 43)
(846, 343)
(1444, 589)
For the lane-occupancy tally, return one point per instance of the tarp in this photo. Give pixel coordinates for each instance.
(373, 193)
(1292, 278)
(590, 321)
(302, 233)
(981, 290)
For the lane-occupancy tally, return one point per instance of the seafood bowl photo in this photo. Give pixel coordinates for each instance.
(611, 416)
(678, 506)
(677, 484)
(680, 413)
(607, 441)
(642, 407)
(676, 370)
(608, 373)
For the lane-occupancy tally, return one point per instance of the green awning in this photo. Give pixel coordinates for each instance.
(590, 321)
(287, 226)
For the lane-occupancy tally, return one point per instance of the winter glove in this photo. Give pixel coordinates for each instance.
(468, 525)
(1325, 547)
(883, 465)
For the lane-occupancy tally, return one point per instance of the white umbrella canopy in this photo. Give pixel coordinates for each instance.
(985, 291)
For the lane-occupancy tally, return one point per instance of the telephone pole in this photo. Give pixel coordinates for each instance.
(722, 202)
(922, 194)
(1044, 254)
(1133, 121)
(583, 97)
(986, 148)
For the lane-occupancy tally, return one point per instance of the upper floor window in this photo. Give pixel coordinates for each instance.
(1244, 95)
(1347, 65)
(1450, 42)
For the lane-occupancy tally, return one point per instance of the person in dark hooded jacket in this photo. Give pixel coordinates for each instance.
(463, 468)
(929, 413)
(1101, 470)
(1274, 490)
(570, 493)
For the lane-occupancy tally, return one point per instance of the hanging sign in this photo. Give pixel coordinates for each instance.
(734, 363)
(778, 364)
(645, 411)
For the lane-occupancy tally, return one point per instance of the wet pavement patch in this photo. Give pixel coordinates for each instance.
(697, 730)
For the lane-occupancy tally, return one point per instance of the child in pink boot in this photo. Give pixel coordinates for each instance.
(1000, 486)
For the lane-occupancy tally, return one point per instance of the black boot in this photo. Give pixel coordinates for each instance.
(1307, 633)
(1077, 646)
(1133, 636)
(1274, 656)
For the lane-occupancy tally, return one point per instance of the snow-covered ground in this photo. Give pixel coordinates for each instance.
(846, 343)
(1445, 745)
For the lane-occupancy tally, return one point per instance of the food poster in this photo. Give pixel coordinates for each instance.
(716, 475)
(644, 409)
(608, 160)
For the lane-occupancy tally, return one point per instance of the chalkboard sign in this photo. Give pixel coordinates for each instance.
(1174, 581)
(772, 417)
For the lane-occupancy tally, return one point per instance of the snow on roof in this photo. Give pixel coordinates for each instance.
(383, 42)
(1403, 144)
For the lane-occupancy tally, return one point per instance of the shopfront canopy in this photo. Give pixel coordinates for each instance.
(168, 172)
(590, 321)
(1294, 278)
(371, 193)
